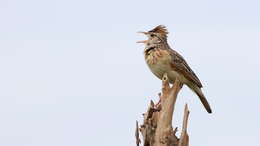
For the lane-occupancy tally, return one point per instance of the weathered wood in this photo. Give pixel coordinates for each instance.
(157, 127)
(184, 139)
(138, 141)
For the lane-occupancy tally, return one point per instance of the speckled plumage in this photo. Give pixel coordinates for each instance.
(161, 59)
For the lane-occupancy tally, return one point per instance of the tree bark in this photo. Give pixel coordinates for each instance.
(157, 128)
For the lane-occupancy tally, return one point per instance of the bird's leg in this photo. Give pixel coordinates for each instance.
(181, 85)
(174, 82)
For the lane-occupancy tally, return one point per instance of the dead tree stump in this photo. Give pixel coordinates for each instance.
(157, 127)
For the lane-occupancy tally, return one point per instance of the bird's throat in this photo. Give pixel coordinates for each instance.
(148, 50)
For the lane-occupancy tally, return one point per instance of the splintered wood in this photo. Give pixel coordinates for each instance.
(157, 129)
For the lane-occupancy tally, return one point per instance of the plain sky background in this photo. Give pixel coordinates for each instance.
(72, 74)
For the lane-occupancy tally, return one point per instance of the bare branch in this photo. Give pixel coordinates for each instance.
(157, 126)
(168, 99)
(138, 141)
(184, 139)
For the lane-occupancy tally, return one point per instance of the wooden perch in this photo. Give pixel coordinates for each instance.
(157, 125)
(184, 139)
(138, 141)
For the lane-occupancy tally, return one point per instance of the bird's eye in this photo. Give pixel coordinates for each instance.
(152, 35)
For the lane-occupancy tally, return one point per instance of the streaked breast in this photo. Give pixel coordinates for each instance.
(158, 61)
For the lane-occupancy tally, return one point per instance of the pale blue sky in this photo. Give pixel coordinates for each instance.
(72, 74)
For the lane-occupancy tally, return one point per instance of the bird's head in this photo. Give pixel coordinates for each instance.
(155, 36)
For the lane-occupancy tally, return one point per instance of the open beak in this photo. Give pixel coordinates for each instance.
(143, 32)
(145, 41)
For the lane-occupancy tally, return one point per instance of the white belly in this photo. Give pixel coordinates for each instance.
(161, 67)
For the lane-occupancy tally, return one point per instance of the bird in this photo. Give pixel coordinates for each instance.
(162, 59)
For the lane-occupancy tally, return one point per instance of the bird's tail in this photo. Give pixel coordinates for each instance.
(202, 98)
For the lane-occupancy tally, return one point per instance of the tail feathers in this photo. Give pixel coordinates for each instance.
(204, 102)
(202, 98)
